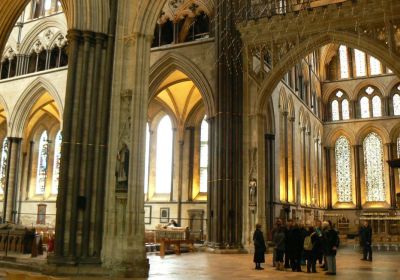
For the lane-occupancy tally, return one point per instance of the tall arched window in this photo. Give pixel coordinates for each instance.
(335, 110)
(203, 156)
(364, 105)
(396, 104)
(370, 102)
(345, 109)
(3, 165)
(164, 156)
(344, 63)
(340, 106)
(375, 66)
(56, 164)
(146, 160)
(41, 173)
(376, 106)
(373, 162)
(396, 100)
(360, 59)
(343, 169)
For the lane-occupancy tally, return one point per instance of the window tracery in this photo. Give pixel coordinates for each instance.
(373, 162)
(340, 106)
(370, 103)
(343, 170)
(41, 173)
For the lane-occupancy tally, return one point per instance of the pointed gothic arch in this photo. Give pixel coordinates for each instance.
(33, 34)
(27, 100)
(314, 42)
(171, 62)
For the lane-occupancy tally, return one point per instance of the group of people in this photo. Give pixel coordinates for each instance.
(295, 244)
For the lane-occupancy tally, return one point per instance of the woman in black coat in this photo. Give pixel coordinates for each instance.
(259, 247)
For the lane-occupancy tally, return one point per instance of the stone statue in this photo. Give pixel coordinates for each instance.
(253, 191)
(122, 170)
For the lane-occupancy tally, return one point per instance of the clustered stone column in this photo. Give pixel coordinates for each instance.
(225, 169)
(11, 188)
(80, 203)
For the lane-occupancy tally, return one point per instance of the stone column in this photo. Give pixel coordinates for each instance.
(191, 163)
(12, 180)
(390, 148)
(286, 154)
(328, 176)
(181, 145)
(270, 179)
(80, 210)
(124, 252)
(225, 187)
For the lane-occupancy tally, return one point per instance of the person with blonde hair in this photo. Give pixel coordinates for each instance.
(259, 247)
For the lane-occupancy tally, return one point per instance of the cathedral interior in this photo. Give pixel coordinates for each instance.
(118, 116)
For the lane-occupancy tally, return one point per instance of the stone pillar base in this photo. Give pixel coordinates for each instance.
(68, 267)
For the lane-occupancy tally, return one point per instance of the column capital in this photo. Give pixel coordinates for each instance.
(14, 139)
(74, 35)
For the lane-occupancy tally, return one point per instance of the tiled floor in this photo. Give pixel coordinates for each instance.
(199, 266)
(211, 266)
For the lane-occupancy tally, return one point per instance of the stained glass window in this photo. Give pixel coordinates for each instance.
(360, 63)
(335, 110)
(375, 66)
(344, 64)
(343, 170)
(3, 165)
(164, 156)
(345, 109)
(41, 173)
(373, 162)
(364, 104)
(146, 161)
(203, 156)
(376, 106)
(396, 104)
(56, 164)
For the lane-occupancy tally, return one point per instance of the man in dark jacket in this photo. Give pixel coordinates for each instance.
(294, 247)
(259, 247)
(366, 241)
(330, 245)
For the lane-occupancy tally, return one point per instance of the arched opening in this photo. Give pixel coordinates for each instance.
(177, 156)
(40, 166)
